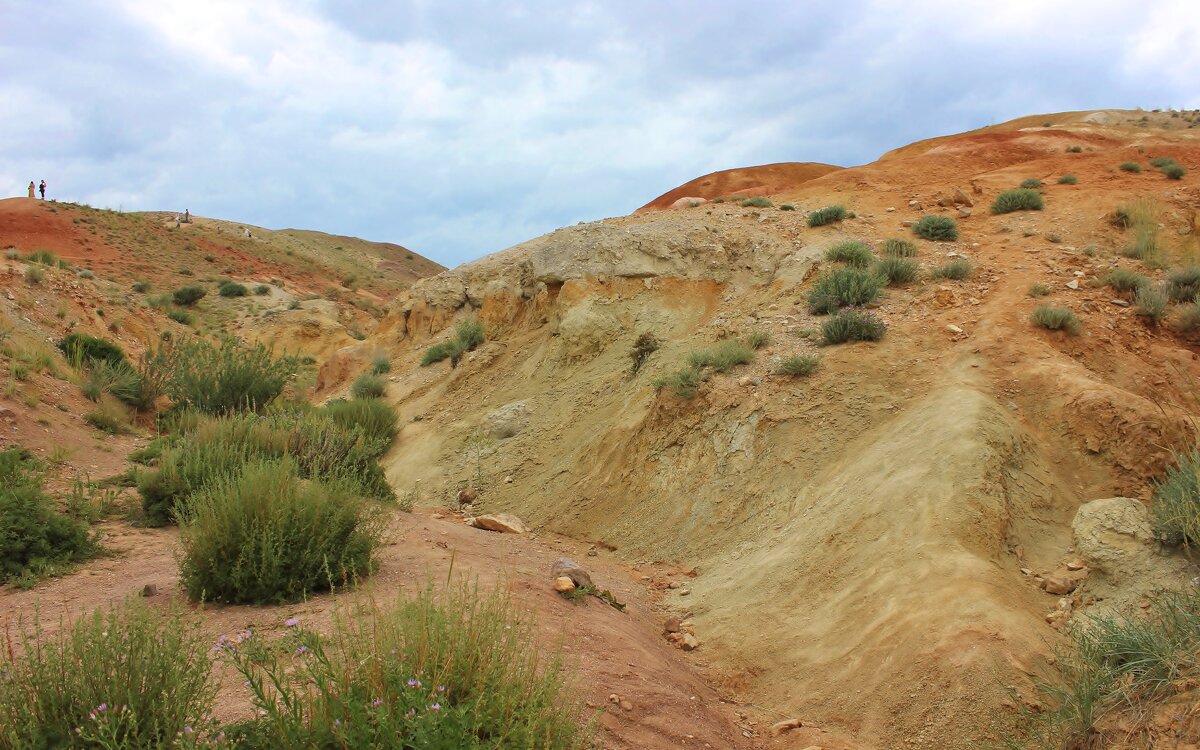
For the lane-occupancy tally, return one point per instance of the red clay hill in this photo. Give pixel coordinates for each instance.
(763, 180)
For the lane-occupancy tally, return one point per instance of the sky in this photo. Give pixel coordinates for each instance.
(460, 128)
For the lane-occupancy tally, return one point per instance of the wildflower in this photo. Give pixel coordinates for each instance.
(436, 707)
(292, 622)
(414, 682)
(337, 722)
(302, 650)
(411, 712)
(102, 707)
(441, 688)
(377, 702)
(187, 728)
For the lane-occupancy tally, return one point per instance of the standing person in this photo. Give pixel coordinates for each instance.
(31, 189)
(42, 188)
(187, 216)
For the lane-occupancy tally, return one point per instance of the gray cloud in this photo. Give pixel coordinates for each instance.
(461, 128)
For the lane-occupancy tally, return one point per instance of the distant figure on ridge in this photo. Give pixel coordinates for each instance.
(42, 188)
(31, 189)
(187, 216)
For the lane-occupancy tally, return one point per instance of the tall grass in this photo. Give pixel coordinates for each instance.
(1022, 199)
(1056, 319)
(35, 540)
(898, 248)
(1183, 284)
(468, 335)
(220, 380)
(852, 253)
(368, 385)
(684, 383)
(853, 325)
(1150, 301)
(723, 357)
(376, 418)
(827, 215)
(1176, 504)
(897, 270)
(843, 287)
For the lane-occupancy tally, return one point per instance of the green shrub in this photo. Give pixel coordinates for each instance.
(141, 287)
(368, 386)
(1039, 290)
(470, 333)
(134, 678)
(186, 296)
(375, 418)
(843, 287)
(723, 357)
(1174, 172)
(1018, 200)
(43, 257)
(937, 228)
(1159, 162)
(262, 289)
(34, 539)
(34, 276)
(852, 253)
(219, 380)
(758, 339)
(85, 274)
(897, 248)
(264, 536)
(1125, 280)
(683, 383)
(107, 419)
(1184, 284)
(1056, 319)
(1188, 320)
(467, 336)
(124, 382)
(459, 669)
(1068, 179)
(231, 289)
(1176, 504)
(853, 325)
(645, 345)
(756, 202)
(801, 365)
(787, 207)
(182, 317)
(827, 215)
(897, 270)
(1131, 166)
(956, 269)
(1150, 301)
(1032, 183)
(1074, 149)
(380, 364)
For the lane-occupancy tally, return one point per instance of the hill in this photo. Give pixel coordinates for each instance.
(744, 181)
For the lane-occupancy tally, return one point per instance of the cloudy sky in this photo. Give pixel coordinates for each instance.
(460, 128)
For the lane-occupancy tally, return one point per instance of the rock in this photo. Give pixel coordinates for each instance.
(614, 698)
(626, 705)
(745, 381)
(1073, 284)
(149, 590)
(684, 592)
(671, 625)
(503, 522)
(508, 420)
(953, 328)
(1075, 565)
(565, 567)
(689, 642)
(964, 213)
(890, 209)
(785, 726)
(563, 584)
(1059, 585)
(688, 202)
(675, 585)
(508, 479)
(907, 223)
(962, 199)
(8, 415)
(467, 495)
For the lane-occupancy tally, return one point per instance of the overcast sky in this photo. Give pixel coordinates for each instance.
(460, 128)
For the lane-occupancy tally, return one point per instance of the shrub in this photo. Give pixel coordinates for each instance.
(262, 289)
(1018, 200)
(1124, 280)
(457, 669)
(897, 270)
(897, 248)
(756, 202)
(1032, 183)
(376, 419)
(467, 335)
(683, 383)
(1174, 172)
(107, 418)
(1039, 290)
(645, 345)
(186, 296)
(938, 228)
(1159, 162)
(1176, 505)
(1056, 319)
(801, 365)
(34, 539)
(843, 287)
(231, 289)
(827, 215)
(1131, 166)
(787, 207)
(34, 276)
(957, 269)
(141, 287)
(1184, 284)
(124, 382)
(1188, 320)
(182, 317)
(852, 253)
(723, 357)
(470, 333)
(758, 339)
(368, 386)
(134, 678)
(380, 364)
(853, 325)
(264, 536)
(1068, 179)
(1074, 149)
(219, 380)
(1151, 302)
(45, 258)
(85, 274)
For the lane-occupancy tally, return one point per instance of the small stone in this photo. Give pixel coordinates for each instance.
(467, 495)
(566, 567)
(626, 706)
(149, 590)
(563, 584)
(785, 726)
(675, 585)
(1073, 284)
(689, 642)
(1077, 274)
(614, 698)
(1075, 565)
(505, 523)
(889, 209)
(671, 625)
(953, 328)
(508, 479)
(1060, 585)
(964, 212)
(745, 381)
(1119, 302)
(684, 592)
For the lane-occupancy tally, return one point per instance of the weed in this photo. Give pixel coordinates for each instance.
(956, 269)
(1039, 290)
(1125, 280)
(852, 253)
(683, 383)
(1159, 162)
(1174, 172)
(182, 317)
(219, 380)
(723, 357)
(1032, 183)
(186, 296)
(758, 339)
(1150, 301)
(1184, 284)
(843, 287)
(897, 270)
(34, 276)
(1056, 319)
(801, 365)
(853, 325)
(141, 287)
(107, 418)
(756, 202)
(375, 418)
(1188, 320)
(467, 336)
(1018, 200)
(262, 289)
(380, 364)
(827, 215)
(937, 228)
(1131, 166)
(645, 345)
(897, 248)
(1068, 179)
(232, 289)
(85, 274)
(35, 540)
(368, 385)
(787, 207)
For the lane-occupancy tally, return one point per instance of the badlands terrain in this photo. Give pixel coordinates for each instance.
(881, 554)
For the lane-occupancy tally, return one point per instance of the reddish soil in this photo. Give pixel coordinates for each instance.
(767, 179)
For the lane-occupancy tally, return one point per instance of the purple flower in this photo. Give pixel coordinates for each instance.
(187, 728)
(436, 707)
(292, 622)
(302, 650)
(102, 707)
(441, 688)
(413, 682)
(337, 722)
(377, 702)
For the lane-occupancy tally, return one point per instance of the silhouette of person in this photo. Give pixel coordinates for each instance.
(42, 188)
(187, 216)
(31, 189)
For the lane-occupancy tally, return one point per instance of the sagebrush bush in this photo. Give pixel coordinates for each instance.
(645, 345)
(956, 269)
(133, 678)
(1150, 301)
(262, 289)
(723, 357)
(897, 270)
(853, 325)
(1068, 179)
(684, 383)
(898, 248)
(937, 228)
(827, 215)
(374, 417)
(182, 317)
(756, 202)
(1184, 284)
(1174, 171)
(1018, 200)
(1131, 166)
(800, 365)
(852, 253)
(1032, 183)
(83, 350)
(368, 385)
(124, 382)
(843, 287)
(1056, 319)
(231, 289)
(452, 669)
(186, 296)
(262, 535)
(1039, 290)
(34, 539)
(468, 335)
(220, 380)
(1125, 280)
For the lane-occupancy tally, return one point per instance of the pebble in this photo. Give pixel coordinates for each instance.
(953, 328)
(1073, 284)
(1119, 302)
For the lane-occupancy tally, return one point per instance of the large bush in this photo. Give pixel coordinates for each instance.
(87, 351)
(843, 287)
(263, 535)
(34, 539)
(938, 228)
(220, 380)
(376, 418)
(133, 678)
(187, 296)
(1022, 199)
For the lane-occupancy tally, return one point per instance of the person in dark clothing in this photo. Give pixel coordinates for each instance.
(42, 189)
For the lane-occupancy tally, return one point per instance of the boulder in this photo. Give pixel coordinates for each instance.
(565, 567)
(688, 202)
(505, 523)
(563, 584)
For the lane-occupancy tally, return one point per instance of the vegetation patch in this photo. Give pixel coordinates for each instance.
(219, 379)
(897, 248)
(227, 288)
(645, 345)
(1056, 319)
(81, 349)
(957, 269)
(756, 202)
(684, 383)
(368, 385)
(1068, 179)
(723, 357)
(1032, 183)
(1018, 200)
(1174, 171)
(937, 228)
(843, 287)
(1150, 301)
(827, 215)
(34, 539)
(1184, 284)
(1131, 166)
(1039, 290)
(852, 253)
(468, 335)
(853, 325)
(897, 270)
(801, 365)
(1125, 280)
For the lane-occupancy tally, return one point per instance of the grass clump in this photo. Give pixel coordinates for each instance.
(1021, 199)
(86, 351)
(1056, 319)
(1174, 171)
(1074, 149)
(1032, 183)
(186, 296)
(220, 379)
(229, 288)
(1150, 301)
(801, 365)
(1068, 179)
(141, 287)
(34, 539)
(843, 287)
(684, 384)
(134, 678)
(468, 335)
(756, 202)
(107, 418)
(897, 270)
(368, 385)
(182, 317)
(957, 269)
(262, 289)
(1131, 166)
(723, 357)
(853, 325)
(34, 276)
(1039, 290)
(758, 339)
(827, 215)
(380, 364)
(897, 248)
(787, 207)
(937, 228)
(1184, 284)
(262, 535)
(852, 253)
(376, 419)
(1176, 505)
(645, 345)
(1159, 162)
(451, 669)
(1125, 280)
